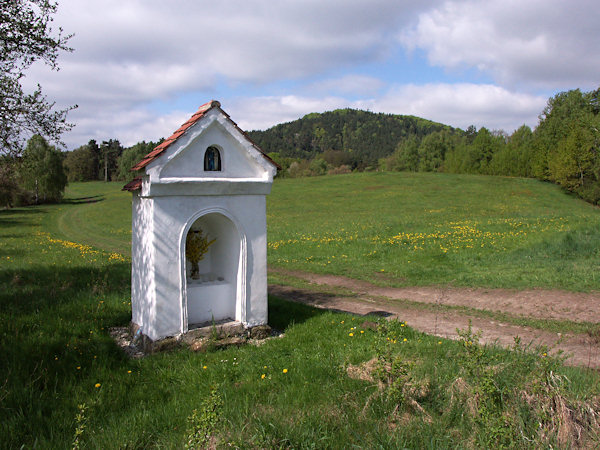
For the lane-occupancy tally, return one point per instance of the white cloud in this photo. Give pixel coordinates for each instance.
(259, 113)
(128, 126)
(351, 84)
(187, 43)
(542, 43)
(461, 105)
(128, 54)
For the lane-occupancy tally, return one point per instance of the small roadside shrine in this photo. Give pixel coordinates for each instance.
(199, 229)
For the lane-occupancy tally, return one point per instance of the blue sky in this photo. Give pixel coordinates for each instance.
(140, 68)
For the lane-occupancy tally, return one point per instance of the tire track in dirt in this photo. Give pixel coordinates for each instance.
(366, 298)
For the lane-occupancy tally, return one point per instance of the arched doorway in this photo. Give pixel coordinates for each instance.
(215, 293)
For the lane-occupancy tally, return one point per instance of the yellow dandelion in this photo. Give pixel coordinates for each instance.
(285, 370)
(262, 377)
(129, 371)
(350, 334)
(362, 331)
(97, 385)
(78, 367)
(204, 367)
(405, 339)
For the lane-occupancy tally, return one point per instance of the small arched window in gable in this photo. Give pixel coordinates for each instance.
(212, 160)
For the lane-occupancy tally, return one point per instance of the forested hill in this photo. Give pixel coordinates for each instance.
(364, 136)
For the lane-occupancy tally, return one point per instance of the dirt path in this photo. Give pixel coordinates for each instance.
(366, 298)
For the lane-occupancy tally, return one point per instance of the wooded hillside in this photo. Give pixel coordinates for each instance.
(564, 147)
(363, 136)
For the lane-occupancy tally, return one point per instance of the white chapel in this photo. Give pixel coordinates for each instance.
(205, 186)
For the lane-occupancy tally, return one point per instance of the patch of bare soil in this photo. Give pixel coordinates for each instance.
(582, 350)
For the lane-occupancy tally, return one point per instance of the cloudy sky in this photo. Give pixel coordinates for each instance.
(140, 68)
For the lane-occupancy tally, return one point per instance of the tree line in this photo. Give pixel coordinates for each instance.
(564, 147)
(40, 173)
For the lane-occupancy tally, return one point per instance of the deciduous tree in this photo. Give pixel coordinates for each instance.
(26, 36)
(42, 171)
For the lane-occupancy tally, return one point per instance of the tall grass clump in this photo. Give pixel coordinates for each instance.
(489, 398)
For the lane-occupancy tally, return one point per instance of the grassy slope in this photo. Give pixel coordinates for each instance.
(96, 214)
(398, 229)
(421, 229)
(58, 299)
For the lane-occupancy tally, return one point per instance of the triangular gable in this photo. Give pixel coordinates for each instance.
(202, 111)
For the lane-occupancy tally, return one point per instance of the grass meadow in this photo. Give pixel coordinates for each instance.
(405, 229)
(332, 380)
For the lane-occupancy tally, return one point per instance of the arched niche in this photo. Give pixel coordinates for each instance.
(214, 294)
(212, 159)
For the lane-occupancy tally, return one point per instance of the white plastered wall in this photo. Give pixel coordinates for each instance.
(164, 296)
(143, 302)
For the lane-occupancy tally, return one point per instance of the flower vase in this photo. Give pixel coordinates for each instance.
(195, 271)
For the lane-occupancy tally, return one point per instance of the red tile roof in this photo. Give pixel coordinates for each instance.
(159, 149)
(178, 133)
(133, 185)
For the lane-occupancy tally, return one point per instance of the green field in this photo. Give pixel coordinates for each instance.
(397, 229)
(404, 229)
(64, 281)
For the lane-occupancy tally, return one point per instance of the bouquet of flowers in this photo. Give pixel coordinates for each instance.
(196, 246)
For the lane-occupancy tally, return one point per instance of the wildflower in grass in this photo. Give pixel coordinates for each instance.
(204, 367)
(350, 334)
(285, 371)
(129, 371)
(262, 377)
(405, 339)
(78, 367)
(439, 342)
(362, 331)
(97, 385)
